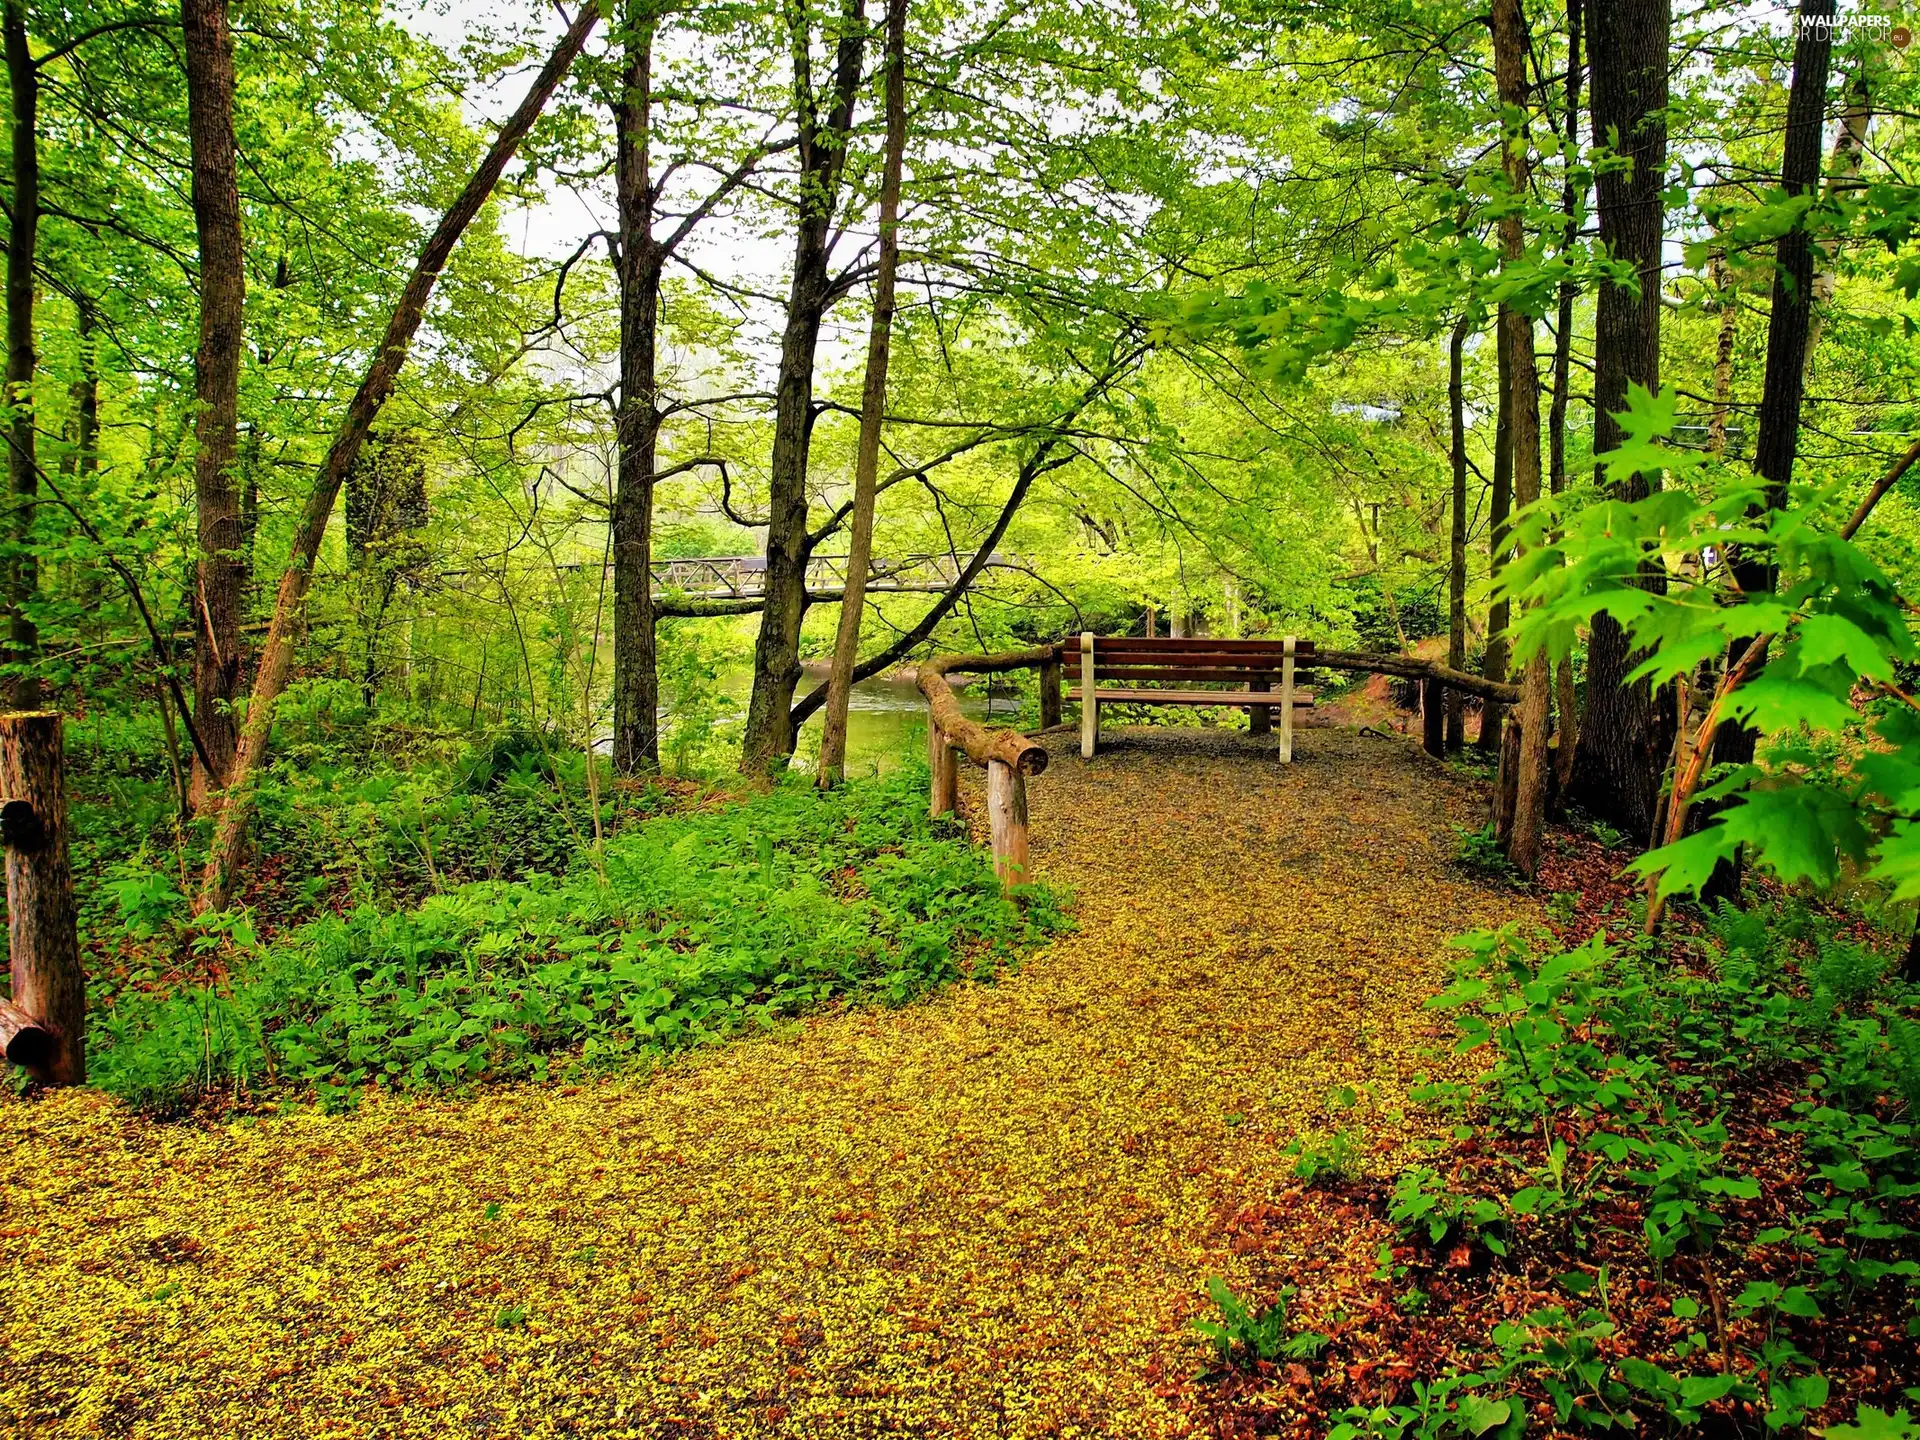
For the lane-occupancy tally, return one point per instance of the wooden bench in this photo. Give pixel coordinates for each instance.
(1114, 668)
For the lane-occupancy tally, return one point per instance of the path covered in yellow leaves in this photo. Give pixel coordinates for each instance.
(988, 1214)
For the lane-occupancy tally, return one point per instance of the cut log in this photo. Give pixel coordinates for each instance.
(48, 984)
(1007, 821)
(23, 1039)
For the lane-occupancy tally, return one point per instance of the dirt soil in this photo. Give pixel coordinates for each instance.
(991, 1213)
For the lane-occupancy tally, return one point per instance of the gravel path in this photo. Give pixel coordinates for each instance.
(988, 1214)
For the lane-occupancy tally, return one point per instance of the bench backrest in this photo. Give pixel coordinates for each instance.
(1124, 657)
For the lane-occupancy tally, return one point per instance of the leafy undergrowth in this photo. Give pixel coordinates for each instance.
(687, 929)
(1684, 1196)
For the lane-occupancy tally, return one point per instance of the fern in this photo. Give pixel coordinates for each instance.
(1903, 1055)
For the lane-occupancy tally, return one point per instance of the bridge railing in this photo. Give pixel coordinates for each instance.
(740, 576)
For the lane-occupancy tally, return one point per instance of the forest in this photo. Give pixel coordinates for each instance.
(960, 717)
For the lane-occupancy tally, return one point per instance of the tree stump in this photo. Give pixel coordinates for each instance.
(1049, 693)
(1260, 717)
(49, 988)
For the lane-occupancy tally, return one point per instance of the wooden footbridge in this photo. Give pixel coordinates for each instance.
(744, 577)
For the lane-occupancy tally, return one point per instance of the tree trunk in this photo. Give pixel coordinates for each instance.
(873, 404)
(42, 940)
(83, 396)
(1849, 146)
(276, 656)
(1457, 552)
(769, 735)
(1788, 327)
(642, 260)
(23, 476)
(221, 575)
(1566, 696)
(1622, 744)
(1570, 199)
(1494, 663)
(1722, 281)
(1528, 779)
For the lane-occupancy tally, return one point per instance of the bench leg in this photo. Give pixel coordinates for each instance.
(1286, 702)
(1260, 717)
(1089, 706)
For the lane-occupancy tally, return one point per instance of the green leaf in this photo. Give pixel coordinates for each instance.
(1479, 1414)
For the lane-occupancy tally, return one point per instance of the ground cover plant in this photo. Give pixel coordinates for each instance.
(1678, 1191)
(678, 931)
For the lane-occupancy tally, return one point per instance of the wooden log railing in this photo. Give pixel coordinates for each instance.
(1008, 756)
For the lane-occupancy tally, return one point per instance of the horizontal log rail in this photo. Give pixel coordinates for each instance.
(1411, 667)
(1008, 756)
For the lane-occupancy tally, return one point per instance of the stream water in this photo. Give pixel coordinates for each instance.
(886, 717)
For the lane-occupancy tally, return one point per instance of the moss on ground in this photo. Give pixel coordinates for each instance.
(986, 1214)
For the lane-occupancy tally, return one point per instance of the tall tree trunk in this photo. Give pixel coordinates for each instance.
(1849, 148)
(83, 396)
(636, 676)
(1622, 746)
(1572, 199)
(221, 574)
(1729, 331)
(1788, 327)
(769, 735)
(1456, 732)
(23, 475)
(1529, 782)
(276, 655)
(1493, 663)
(873, 404)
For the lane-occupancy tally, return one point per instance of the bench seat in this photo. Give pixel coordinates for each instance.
(1245, 699)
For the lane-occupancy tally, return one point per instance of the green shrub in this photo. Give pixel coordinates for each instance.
(704, 925)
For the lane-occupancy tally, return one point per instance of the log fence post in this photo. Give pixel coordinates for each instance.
(945, 769)
(1007, 821)
(1433, 715)
(1050, 692)
(1089, 706)
(44, 1027)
